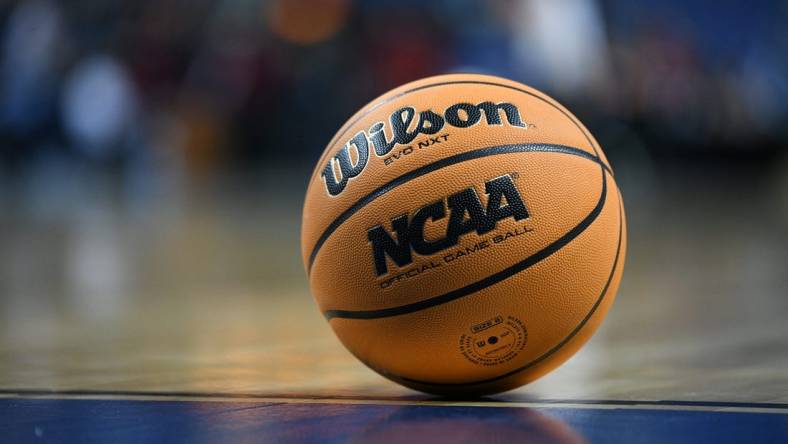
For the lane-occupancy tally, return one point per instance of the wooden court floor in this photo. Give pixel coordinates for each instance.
(186, 317)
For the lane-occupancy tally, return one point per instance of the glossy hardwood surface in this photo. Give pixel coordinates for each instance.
(200, 290)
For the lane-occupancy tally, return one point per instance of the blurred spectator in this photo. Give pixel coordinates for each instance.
(563, 41)
(31, 42)
(99, 106)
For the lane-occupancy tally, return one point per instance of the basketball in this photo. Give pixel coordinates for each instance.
(463, 234)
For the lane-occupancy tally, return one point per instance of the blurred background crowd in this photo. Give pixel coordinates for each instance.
(160, 149)
(201, 87)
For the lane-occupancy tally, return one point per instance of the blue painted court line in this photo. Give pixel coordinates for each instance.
(134, 421)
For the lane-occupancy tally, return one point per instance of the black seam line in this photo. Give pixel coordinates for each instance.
(434, 166)
(349, 125)
(563, 342)
(487, 281)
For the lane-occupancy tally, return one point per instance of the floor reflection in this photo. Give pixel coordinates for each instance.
(467, 425)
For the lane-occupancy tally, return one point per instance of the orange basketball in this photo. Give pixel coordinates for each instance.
(463, 234)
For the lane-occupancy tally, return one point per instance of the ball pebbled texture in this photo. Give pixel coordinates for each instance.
(497, 307)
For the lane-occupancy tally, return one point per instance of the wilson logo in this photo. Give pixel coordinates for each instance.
(466, 214)
(341, 168)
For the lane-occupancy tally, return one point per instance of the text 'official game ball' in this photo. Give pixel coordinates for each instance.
(463, 234)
